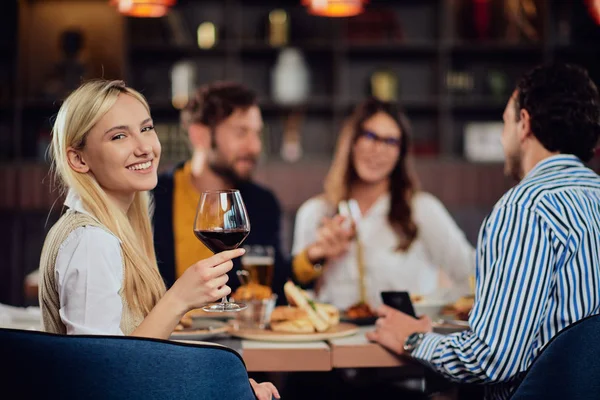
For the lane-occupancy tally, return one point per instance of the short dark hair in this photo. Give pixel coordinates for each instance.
(215, 102)
(564, 108)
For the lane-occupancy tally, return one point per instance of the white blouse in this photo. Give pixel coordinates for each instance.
(440, 250)
(89, 274)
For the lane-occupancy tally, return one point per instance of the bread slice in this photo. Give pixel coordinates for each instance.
(297, 298)
(294, 326)
(329, 313)
(287, 313)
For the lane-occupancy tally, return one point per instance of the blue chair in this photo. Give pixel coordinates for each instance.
(569, 366)
(43, 365)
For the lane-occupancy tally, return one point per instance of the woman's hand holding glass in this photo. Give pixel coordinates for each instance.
(204, 282)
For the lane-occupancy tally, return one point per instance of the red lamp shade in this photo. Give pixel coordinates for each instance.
(143, 8)
(594, 9)
(335, 8)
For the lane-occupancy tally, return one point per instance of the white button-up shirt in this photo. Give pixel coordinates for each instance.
(440, 249)
(89, 275)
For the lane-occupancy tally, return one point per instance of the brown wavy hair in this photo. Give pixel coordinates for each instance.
(403, 183)
(215, 102)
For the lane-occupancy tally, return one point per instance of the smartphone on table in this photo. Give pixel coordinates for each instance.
(400, 301)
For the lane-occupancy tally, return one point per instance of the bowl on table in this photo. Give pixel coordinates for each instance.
(257, 315)
(431, 307)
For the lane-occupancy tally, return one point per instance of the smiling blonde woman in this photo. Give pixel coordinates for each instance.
(98, 268)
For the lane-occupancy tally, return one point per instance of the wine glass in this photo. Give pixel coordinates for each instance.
(222, 224)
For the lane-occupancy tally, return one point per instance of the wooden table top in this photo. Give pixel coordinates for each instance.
(350, 352)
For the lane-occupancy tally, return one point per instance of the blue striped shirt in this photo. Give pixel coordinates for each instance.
(538, 271)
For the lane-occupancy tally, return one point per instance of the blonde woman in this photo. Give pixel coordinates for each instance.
(98, 268)
(409, 241)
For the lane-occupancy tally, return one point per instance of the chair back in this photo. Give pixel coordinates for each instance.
(44, 365)
(568, 367)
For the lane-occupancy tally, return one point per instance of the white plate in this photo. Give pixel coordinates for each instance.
(430, 308)
(267, 335)
(202, 329)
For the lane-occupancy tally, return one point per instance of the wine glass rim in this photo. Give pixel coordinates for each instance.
(212, 191)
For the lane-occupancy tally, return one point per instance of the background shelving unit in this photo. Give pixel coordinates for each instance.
(422, 42)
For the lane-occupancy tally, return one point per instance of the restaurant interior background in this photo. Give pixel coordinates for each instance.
(452, 65)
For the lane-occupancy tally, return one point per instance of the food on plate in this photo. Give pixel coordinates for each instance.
(252, 291)
(287, 313)
(303, 315)
(328, 312)
(293, 326)
(360, 310)
(185, 322)
(179, 327)
(461, 308)
(416, 298)
(187, 319)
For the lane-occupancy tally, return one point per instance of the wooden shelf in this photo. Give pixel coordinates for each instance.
(261, 47)
(315, 104)
(499, 48)
(578, 49)
(475, 104)
(430, 104)
(172, 50)
(391, 49)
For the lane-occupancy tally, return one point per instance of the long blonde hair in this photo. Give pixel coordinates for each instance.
(143, 285)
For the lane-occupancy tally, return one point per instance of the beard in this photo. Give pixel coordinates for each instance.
(513, 166)
(227, 171)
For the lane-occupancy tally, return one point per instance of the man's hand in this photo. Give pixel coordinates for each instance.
(393, 327)
(265, 390)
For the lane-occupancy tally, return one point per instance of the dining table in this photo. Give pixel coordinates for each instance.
(354, 351)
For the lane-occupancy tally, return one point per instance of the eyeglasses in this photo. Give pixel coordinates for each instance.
(372, 137)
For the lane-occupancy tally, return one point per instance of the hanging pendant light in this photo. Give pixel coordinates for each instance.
(594, 9)
(143, 8)
(335, 8)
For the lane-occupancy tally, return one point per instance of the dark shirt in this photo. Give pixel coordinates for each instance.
(265, 219)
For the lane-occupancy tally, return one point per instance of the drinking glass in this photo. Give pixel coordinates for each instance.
(222, 224)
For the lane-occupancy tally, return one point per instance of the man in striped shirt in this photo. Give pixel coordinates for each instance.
(538, 252)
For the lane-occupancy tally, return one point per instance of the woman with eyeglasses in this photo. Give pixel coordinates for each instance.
(402, 239)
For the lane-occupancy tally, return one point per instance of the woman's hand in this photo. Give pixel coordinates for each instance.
(265, 390)
(204, 282)
(333, 239)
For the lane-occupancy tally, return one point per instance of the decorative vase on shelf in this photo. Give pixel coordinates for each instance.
(384, 85)
(523, 20)
(291, 146)
(183, 83)
(279, 28)
(290, 78)
(206, 35)
(460, 83)
(497, 84)
(68, 73)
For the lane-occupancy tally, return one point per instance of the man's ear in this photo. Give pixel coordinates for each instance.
(76, 161)
(524, 125)
(199, 136)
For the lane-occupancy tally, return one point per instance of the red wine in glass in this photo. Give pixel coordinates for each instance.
(222, 224)
(221, 240)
